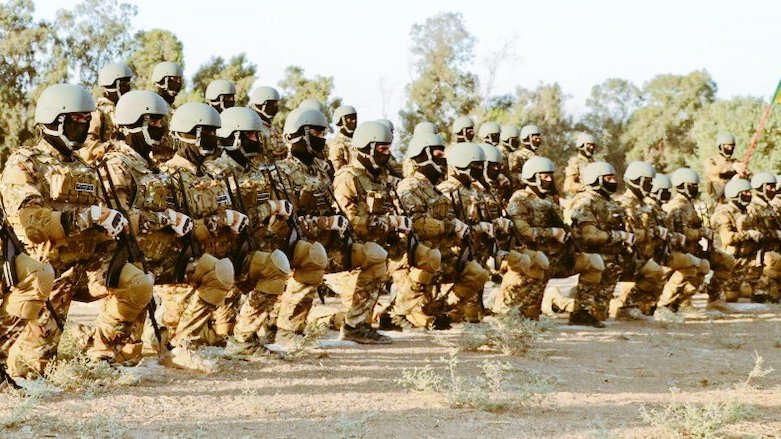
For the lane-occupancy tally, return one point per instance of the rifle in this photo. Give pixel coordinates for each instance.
(191, 248)
(247, 235)
(515, 233)
(483, 212)
(128, 240)
(467, 252)
(412, 237)
(12, 247)
(292, 220)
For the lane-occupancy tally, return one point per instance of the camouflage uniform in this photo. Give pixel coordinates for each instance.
(732, 227)
(515, 160)
(340, 151)
(575, 166)
(523, 288)
(102, 130)
(273, 143)
(595, 219)
(718, 171)
(266, 269)
(765, 218)
(684, 219)
(213, 275)
(467, 293)
(47, 197)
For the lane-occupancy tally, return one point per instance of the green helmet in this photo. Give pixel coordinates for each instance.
(584, 138)
(460, 155)
(529, 130)
(683, 176)
(488, 130)
(194, 114)
(165, 69)
(221, 94)
(492, 154)
(735, 187)
(342, 111)
(420, 141)
(133, 105)
(238, 119)
(530, 173)
(111, 72)
(425, 127)
(758, 182)
(371, 132)
(638, 169)
(312, 104)
(661, 187)
(388, 124)
(303, 117)
(461, 123)
(262, 94)
(508, 132)
(594, 173)
(61, 99)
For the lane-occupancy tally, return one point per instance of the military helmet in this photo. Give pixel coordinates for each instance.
(492, 154)
(302, 117)
(778, 181)
(461, 123)
(219, 87)
(111, 72)
(508, 132)
(263, 94)
(638, 169)
(371, 132)
(760, 179)
(425, 127)
(460, 155)
(529, 130)
(487, 129)
(723, 138)
(734, 188)
(388, 124)
(342, 111)
(594, 171)
(661, 182)
(62, 99)
(194, 114)
(312, 104)
(420, 141)
(166, 68)
(238, 119)
(584, 138)
(536, 165)
(134, 104)
(684, 176)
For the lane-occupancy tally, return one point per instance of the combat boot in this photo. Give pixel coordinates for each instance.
(363, 334)
(583, 317)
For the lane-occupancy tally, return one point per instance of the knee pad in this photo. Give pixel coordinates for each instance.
(419, 276)
(518, 262)
(371, 259)
(271, 271)
(539, 264)
(428, 259)
(722, 261)
(35, 284)
(309, 262)
(132, 295)
(590, 266)
(652, 271)
(473, 276)
(772, 265)
(216, 278)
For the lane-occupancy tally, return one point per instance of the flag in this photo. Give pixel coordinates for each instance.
(777, 95)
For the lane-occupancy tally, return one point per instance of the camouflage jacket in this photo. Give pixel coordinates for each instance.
(731, 225)
(367, 201)
(594, 219)
(430, 210)
(575, 166)
(718, 170)
(683, 218)
(762, 216)
(273, 143)
(340, 151)
(515, 161)
(641, 219)
(310, 193)
(534, 219)
(102, 130)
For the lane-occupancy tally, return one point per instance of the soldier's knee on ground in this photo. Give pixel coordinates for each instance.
(539, 264)
(271, 270)
(650, 277)
(590, 266)
(27, 298)
(309, 262)
(428, 259)
(371, 258)
(471, 280)
(215, 278)
(772, 265)
(132, 294)
(517, 262)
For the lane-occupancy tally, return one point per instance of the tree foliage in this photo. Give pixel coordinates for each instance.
(295, 87)
(238, 69)
(149, 48)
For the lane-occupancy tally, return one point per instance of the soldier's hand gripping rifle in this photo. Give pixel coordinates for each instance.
(283, 194)
(467, 252)
(128, 247)
(247, 235)
(191, 249)
(412, 237)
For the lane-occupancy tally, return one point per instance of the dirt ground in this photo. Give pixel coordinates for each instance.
(603, 378)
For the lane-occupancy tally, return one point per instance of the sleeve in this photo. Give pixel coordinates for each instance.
(585, 225)
(22, 197)
(347, 195)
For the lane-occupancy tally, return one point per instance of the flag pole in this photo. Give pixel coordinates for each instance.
(758, 132)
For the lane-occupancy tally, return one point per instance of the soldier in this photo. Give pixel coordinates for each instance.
(465, 162)
(434, 224)
(264, 269)
(531, 139)
(395, 169)
(463, 129)
(738, 236)
(339, 147)
(763, 215)
(685, 220)
(509, 142)
(496, 188)
(550, 248)
(216, 225)
(220, 94)
(587, 146)
(720, 168)
(167, 77)
(489, 133)
(114, 79)
(425, 127)
(265, 101)
(650, 233)
(143, 192)
(54, 204)
(598, 226)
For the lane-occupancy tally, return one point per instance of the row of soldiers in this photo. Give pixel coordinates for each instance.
(233, 226)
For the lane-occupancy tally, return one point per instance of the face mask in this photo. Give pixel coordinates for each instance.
(547, 186)
(665, 195)
(124, 87)
(588, 151)
(727, 150)
(316, 143)
(492, 171)
(744, 199)
(381, 159)
(172, 86)
(476, 171)
(493, 139)
(692, 190)
(469, 134)
(269, 109)
(610, 186)
(76, 131)
(515, 143)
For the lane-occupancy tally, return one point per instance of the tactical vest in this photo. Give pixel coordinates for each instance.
(207, 197)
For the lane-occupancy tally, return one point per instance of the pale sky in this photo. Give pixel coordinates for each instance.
(364, 45)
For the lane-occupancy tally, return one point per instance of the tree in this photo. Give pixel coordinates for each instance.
(150, 48)
(238, 69)
(659, 131)
(442, 90)
(295, 88)
(93, 34)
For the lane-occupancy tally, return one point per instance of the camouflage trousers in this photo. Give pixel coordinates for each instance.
(770, 279)
(687, 273)
(723, 281)
(594, 297)
(648, 285)
(414, 286)
(744, 278)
